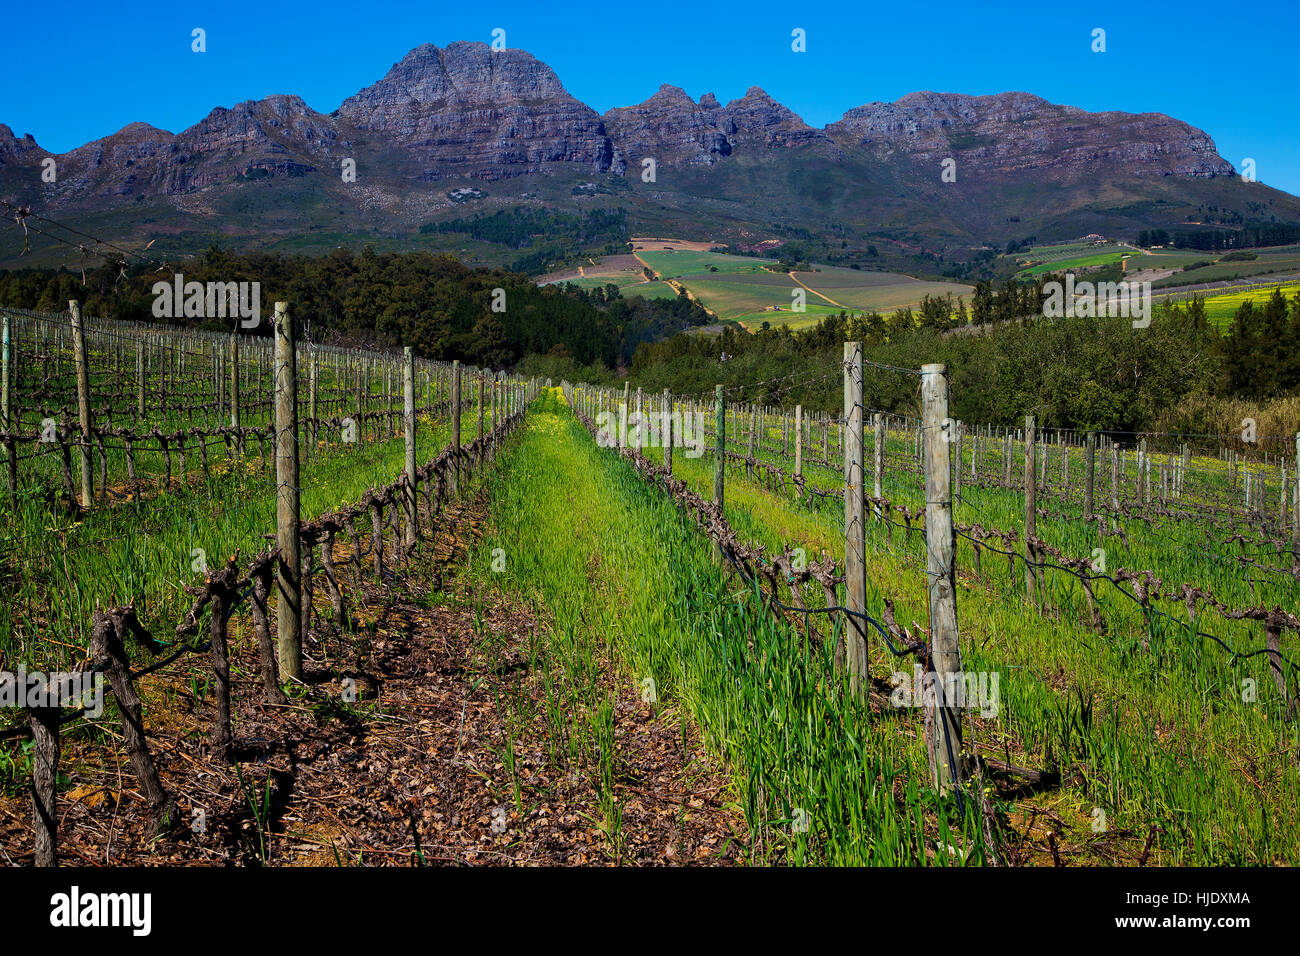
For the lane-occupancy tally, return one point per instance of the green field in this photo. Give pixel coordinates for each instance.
(628, 286)
(1088, 260)
(732, 298)
(672, 265)
(742, 290)
(863, 291)
(1282, 261)
(1219, 309)
(1140, 725)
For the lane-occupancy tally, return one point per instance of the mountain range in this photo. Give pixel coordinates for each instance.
(465, 127)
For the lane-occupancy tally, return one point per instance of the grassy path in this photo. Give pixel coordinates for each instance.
(617, 569)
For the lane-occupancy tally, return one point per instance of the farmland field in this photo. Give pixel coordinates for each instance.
(673, 265)
(1085, 258)
(1276, 262)
(622, 271)
(1220, 308)
(743, 290)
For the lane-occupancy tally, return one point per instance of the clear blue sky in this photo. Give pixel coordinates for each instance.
(1227, 67)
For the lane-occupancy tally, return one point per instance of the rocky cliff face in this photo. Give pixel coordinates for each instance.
(1013, 133)
(472, 111)
(674, 129)
(671, 127)
(758, 121)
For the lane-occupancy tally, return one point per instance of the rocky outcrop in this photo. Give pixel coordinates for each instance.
(757, 121)
(469, 110)
(674, 129)
(670, 127)
(1013, 133)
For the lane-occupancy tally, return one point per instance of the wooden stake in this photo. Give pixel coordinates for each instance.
(288, 576)
(83, 402)
(408, 420)
(455, 426)
(941, 545)
(855, 530)
(1031, 506)
(1090, 473)
(667, 426)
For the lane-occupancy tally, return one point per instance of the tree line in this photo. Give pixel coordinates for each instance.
(443, 308)
(1073, 372)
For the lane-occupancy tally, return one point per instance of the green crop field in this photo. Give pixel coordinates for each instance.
(1085, 261)
(672, 265)
(733, 297)
(1219, 309)
(628, 285)
(882, 292)
(1261, 268)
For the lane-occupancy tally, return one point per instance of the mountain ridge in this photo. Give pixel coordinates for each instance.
(467, 113)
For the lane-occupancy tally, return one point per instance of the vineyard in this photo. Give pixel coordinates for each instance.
(886, 639)
(143, 461)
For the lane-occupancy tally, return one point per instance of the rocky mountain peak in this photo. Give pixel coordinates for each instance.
(1008, 133)
(485, 113)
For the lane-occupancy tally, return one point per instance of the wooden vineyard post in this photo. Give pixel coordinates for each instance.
(1090, 473)
(878, 460)
(1031, 507)
(288, 576)
(481, 386)
(139, 378)
(623, 415)
(6, 406)
(667, 426)
(855, 529)
(311, 399)
(1144, 473)
(45, 774)
(944, 724)
(640, 438)
(408, 421)
(234, 392)
(455, 426)
(720, 453)
(753, 435)
(1114, 477)
(83, 402)
(798, 448)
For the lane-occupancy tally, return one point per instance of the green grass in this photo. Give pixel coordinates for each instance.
(1089, 261)
(1220, 309)
(628, 285)
(1158, 735)
(140, 542)
(672, 265)
(616, 564)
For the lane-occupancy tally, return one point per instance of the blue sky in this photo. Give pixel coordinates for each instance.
(1228, 68)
